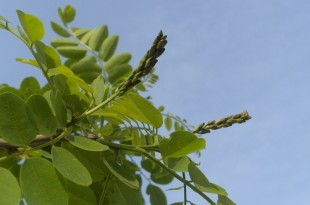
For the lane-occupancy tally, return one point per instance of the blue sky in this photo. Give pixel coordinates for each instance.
(222, 57)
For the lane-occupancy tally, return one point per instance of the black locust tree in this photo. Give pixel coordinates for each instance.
(88, 136)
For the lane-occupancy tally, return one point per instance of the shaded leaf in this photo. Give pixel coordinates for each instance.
(122, 174)
(87, 144)
(79, 195)
(157, 196)
(40, 184)
(123, 195)
(91, 160)
(99, 88)
(17, 125)
(181, 143)
(10, 193)
(29, 86)
(70, 167)
(201, 181)
(45, 120)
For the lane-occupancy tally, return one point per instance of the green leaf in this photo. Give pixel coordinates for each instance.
(181, 143)
(17, 125)
(28, 61)
(108, 47)
(79, 195)
(179, 164)
(138, 108)
(59, 108)
(224, 200)
(99, 88)
(63, 42)
(87, 144)
(59, 29)
(80, 32)
(177, 203)
(119, 73)
(91, 160)
(201, 181)
(43, 116)
(40, 184)
(29, 86)
(71, 51)
(157, 196)
(168, 123)
(122, 174)
(47, 55)
(123, 195)
(116, 60)
(86, 68)
(70, 167)
(32, 26)
(10, 193)
(97, 37)
(69, 13)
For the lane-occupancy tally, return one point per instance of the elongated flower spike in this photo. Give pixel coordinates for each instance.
(146, 64)
(222, 123)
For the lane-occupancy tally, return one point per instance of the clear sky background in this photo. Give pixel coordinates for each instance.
(222, 57)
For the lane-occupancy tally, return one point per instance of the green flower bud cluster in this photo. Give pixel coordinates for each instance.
(146, 64)
(222, 123)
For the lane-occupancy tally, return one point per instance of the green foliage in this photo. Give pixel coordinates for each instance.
(77, 139)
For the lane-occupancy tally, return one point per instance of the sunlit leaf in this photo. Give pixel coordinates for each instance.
(97, 37)
(99, 88)
(179, 164)
(181, 143)
(40, 184)
(87, 144)
(224, 200)
(28, 61)
(108, 47)
(59, 42)
(59, 29)
(10, 193)
(168, 123)
(118, 59)
(69, 13)
(32, 26)
(136, 107)
(157, 196)
(70, 167)
(72, 51)
(17, 125)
